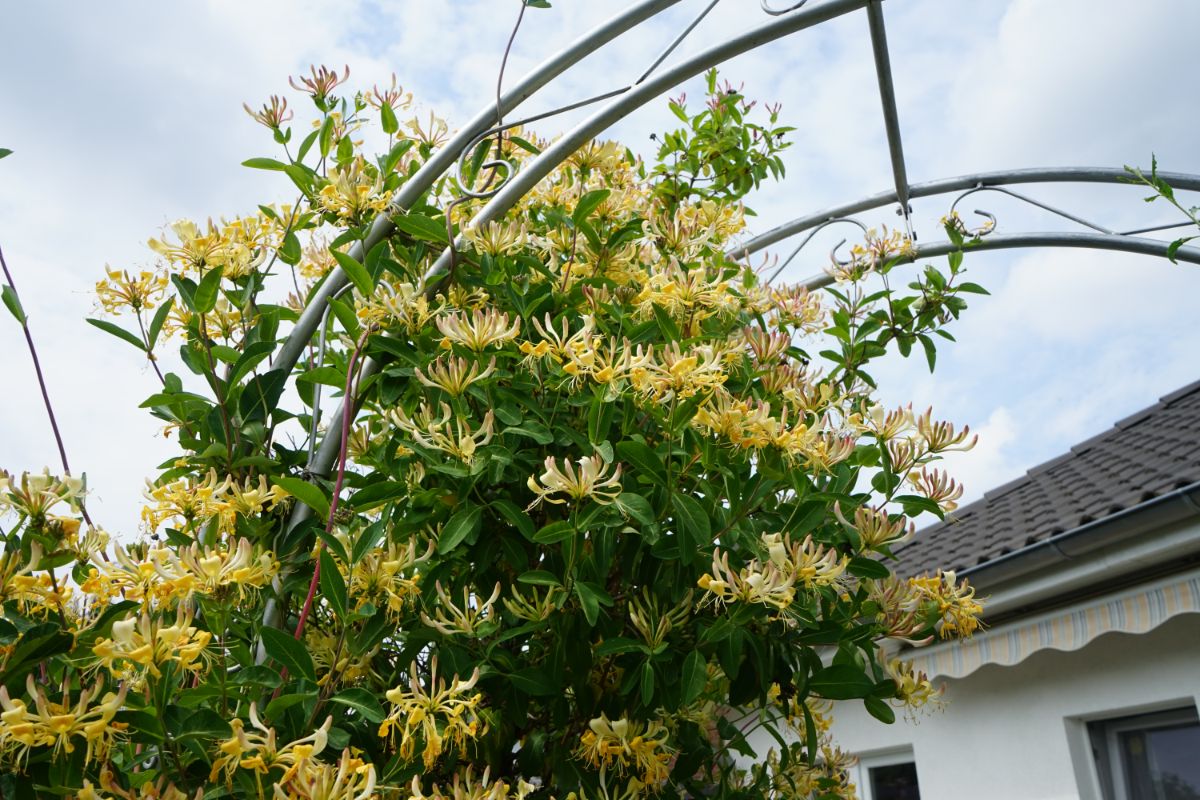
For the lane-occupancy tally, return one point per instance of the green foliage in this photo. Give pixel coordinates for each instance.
(599, 519)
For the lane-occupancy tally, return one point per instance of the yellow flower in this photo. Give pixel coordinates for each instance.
(913, 689)
(628, 745)
(454, 375)
(466, 787)
(143, 641)
(497, 238)
(429, 430)
(58, 724)
(954, 605)
(353, 192)
(121, 290)
(472, 619)
(36, 494)
(390, 578)
(587, 478)
(442, 716)
(479, 331)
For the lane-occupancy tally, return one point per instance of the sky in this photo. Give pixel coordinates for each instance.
(126, 116)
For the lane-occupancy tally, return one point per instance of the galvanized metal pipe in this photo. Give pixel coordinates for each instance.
(301, 334)
(891, 116)
(1088, 241)
(1178, 180)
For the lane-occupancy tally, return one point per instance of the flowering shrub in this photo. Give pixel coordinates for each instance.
(607, 503)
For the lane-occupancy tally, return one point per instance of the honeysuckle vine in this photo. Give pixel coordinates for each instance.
(611, 515)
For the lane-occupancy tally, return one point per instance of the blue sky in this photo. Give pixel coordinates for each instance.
(126, 116)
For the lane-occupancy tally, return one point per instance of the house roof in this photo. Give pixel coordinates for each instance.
(1143, 456)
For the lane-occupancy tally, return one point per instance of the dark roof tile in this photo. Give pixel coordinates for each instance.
(1143, 456)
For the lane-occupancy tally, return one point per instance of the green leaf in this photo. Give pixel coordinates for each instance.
(695, 676)
(618, 645)
(333, 586)
(261, 395)
(694, 525)
(647, 682)
(264, 163)
(377, 494)
(533, 681)
(206, 292)
(160, 319)
(203, 723)
(463, 524)
(289, 652)
(539, 577)
(388, 118)
(841, 682)
(284, 702)
(118, 332)
(36, 644)
(868, 568)
(588, 203)
(257, 675)
(306, 493)
(329, 376)
(355, 271)
(290, 251)
(422, 227)
(325, 137)
(591, 597)
(5, 152)
(514, 516)
(930, 350)
(972, 288)
(363, 702)
(645, 460)
(638, 507)
(13, 303)
(880, 710)
(555, 532)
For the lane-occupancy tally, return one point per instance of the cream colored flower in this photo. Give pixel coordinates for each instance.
(478, 331)
(586, 478)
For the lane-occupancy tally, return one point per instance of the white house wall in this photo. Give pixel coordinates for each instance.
(1019, 732)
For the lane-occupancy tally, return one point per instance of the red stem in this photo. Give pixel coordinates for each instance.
(347, 416)
(37, 368)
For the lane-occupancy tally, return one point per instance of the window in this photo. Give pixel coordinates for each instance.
(1149, 756)
(890, 776)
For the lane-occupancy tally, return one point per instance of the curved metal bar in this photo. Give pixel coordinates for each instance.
(808, 239)
(1088, 241)
(678, 39)
(1178, 180)
(891, 116)
(1026, 199)
(626, 103)
(301, 334)
(778, 12)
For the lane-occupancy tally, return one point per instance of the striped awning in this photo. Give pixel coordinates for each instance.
(1137, 610)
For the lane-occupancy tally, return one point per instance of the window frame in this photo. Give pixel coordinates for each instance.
(881, 758)
(1106, 748)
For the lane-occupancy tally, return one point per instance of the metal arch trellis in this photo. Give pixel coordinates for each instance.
(785, 19)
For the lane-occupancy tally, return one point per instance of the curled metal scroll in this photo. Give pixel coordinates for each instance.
(778, 12)
(808, 238)
(1024, 198)
(499, 168)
